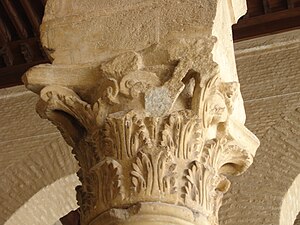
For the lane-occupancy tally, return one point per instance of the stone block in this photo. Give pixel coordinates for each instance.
(95, 38)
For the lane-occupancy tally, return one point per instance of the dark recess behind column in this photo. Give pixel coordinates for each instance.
(21, 49)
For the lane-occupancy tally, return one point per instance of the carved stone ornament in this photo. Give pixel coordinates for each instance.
(154, 141)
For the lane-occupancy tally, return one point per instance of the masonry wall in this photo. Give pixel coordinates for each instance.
(32, 156)
(269, 73)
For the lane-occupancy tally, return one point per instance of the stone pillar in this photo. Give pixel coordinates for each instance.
(146, 93)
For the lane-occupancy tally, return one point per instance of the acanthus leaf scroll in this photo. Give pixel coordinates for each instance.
(132, 148)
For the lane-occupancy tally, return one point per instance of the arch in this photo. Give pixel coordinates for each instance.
(49, 204)
(257, 196)
(290, 207)
(23, 179)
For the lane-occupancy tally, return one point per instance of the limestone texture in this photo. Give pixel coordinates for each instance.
(243, 205)
(153, 112)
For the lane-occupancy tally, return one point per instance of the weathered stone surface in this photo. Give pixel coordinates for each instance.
(239, 208)
(148, 214)
(155, 122)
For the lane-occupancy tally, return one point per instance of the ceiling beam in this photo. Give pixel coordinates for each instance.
(15, 18)
(267, 24)
(20, 19)
(32, 15)
(5, 35)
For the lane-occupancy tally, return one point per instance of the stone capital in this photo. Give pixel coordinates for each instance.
(146, 93)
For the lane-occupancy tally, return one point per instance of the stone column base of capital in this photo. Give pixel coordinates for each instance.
(147, 94)
(151, 213)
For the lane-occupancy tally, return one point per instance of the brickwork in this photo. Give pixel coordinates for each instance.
(21, 130)
(29, 161)
(49, 204)
(269, 70)
(256, 197)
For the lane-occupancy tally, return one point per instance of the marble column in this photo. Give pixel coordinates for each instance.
(146, 92)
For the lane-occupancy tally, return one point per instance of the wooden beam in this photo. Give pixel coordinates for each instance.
(290, 4)
(11, 76)
(32, 15)
(5, 35)
(27, 52)
(267, 24)
(266, 5)
(15, 18)
(7, 55)
(255, 8)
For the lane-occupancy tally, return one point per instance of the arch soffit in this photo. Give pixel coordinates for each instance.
(23, 179)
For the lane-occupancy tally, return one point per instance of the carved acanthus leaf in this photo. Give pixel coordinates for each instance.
(144, 141)
(72, 115)
(109, 174)
(198, 179)
(226, 156)
(154, 172)
(205, 182)
(86, 196)
(119, 126)
(182, 135)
